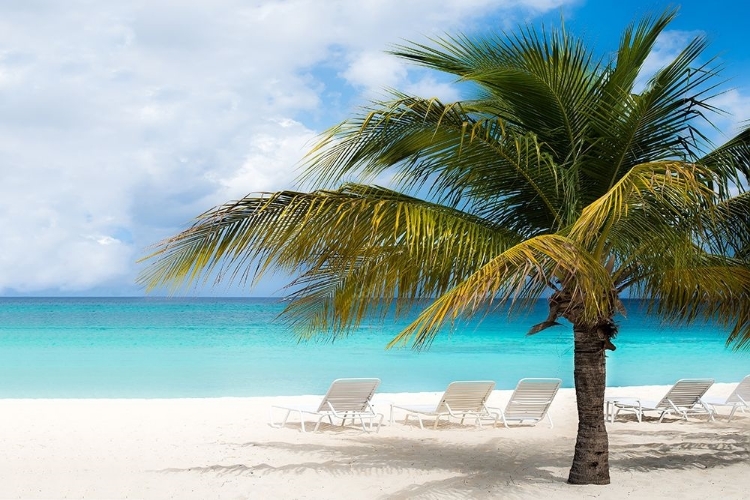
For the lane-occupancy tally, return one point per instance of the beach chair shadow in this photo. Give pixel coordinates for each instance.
(683, 399)
(346, 399)
(530, 401)
(739, 399)
(460, 400)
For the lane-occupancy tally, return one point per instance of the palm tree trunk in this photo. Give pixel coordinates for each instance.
(591, 458)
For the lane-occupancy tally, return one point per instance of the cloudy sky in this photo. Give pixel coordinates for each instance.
(121, 121)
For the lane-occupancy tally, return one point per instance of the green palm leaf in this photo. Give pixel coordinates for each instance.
(477, 164)
(649, 199)
(731, 161)
(523, 271)
(357, 236)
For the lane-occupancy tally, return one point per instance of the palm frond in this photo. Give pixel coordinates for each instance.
(474, 163)
(731, 161)
(538, 81)
(655, 125)
(650, 198)
(358, 243)
(636, 44)
(703, 287)
(546, 86)
(523, 271)
(690, 261)
(731, 227)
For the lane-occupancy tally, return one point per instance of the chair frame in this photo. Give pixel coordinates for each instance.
(522, 408)
(346, 399)
(739, 399)
(455, 403)
(680, 400)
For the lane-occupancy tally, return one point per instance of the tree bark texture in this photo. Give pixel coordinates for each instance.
(591, 458)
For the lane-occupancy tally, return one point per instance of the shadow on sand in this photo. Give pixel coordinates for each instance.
(499, 464)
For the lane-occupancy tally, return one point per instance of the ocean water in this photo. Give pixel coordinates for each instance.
(169, 348)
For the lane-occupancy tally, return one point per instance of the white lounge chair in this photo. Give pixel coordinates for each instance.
(739, 399)
(460, 400)
(347, 398)
(683, 398)
(530, 401)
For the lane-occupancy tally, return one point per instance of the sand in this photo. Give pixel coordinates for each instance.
(224, 448)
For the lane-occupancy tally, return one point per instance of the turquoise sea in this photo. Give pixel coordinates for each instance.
(212, 347)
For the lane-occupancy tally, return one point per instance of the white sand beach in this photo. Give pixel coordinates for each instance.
(224, 448)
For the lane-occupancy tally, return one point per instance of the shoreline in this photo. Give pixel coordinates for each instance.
(224, 448)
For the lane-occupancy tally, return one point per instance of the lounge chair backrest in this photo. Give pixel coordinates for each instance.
(685, 393)
(532, 398)
(349, 394)
(741, 393)
(465, 396)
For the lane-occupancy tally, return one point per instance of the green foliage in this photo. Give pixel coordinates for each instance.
(558, 174)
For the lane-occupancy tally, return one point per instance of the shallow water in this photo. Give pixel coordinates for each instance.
(147, 347)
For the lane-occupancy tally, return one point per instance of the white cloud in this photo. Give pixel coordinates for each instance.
(736, 108)
(120, 121)
(375, 71)
(428, 87)
(666, 49)
(267, 164)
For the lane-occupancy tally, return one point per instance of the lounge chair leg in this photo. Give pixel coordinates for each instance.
(320, 420)
(731, 413)
(281, 424)
(372, 418)
(615, 412)
(286, 417)
(709, 410)
(419, 419)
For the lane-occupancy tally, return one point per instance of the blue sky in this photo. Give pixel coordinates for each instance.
(121, 121)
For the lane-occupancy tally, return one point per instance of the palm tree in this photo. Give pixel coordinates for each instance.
(558, 179)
